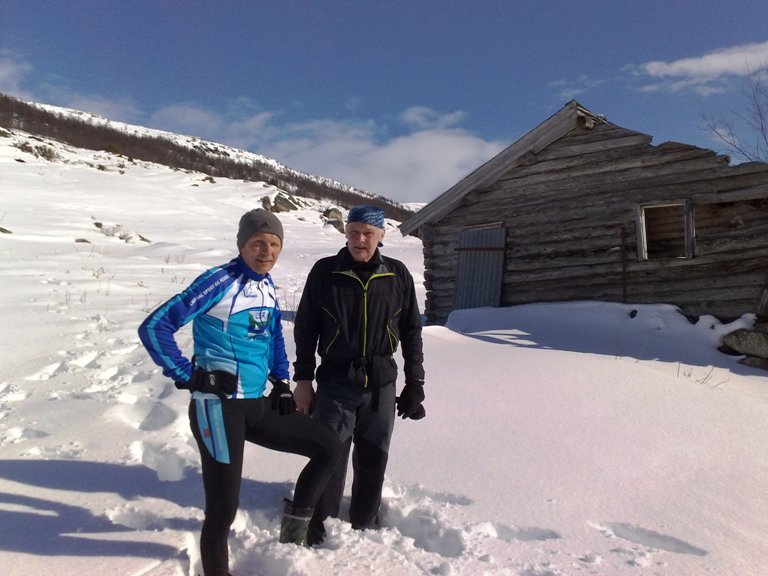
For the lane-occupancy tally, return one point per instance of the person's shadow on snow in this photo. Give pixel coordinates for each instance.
(49, 527)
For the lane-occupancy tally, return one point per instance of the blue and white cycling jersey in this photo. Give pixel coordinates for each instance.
(236, 327)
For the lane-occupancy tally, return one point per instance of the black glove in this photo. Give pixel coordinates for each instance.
(218, 382)
(281, 397)
(409, 403)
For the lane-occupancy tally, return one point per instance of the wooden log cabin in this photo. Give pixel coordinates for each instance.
(582, 209)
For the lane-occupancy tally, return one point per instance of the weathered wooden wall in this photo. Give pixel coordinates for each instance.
(571, 232)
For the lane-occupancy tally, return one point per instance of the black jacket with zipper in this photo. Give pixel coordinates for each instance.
(354, 315)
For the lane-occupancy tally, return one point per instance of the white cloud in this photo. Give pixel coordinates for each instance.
(251, 131)
(12, 73)
(422, 118)
(706, 74)
(416, 167)
(570, 89)
(420, 166)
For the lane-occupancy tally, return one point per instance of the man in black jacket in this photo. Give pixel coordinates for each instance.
(356, 308)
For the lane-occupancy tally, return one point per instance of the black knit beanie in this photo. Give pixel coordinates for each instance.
(258, 220)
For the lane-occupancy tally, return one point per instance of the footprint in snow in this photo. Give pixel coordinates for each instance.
(648, 538)
(522, 533)
(84, 359)
(144, 414)
(67, 394)
(652, 539)
(11, 393)
(18, 434)
(71, 451)
(125, 350)
(44, 373)
(424, 524)
(423, 515)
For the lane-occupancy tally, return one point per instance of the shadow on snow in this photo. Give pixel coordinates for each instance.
(47, 527)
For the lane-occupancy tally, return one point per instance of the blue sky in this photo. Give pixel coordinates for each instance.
(400, 98)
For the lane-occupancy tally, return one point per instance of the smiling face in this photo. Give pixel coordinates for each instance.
(362, 240)
(260, 252)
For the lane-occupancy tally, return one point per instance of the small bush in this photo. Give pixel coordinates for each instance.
(25, 147)
(39, 151)
(47, 153)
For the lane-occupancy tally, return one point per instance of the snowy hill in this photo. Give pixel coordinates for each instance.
(563, 439)
(85, 130)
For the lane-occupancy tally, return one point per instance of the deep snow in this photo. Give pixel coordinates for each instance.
(560, 439)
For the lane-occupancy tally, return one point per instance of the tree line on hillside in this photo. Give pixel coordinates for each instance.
(201, 156)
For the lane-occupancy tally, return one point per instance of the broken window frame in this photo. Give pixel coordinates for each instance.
(687, 231)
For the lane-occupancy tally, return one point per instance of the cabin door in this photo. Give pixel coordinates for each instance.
(481, 266)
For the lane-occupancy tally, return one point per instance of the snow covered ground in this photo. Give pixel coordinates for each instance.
(565, 439)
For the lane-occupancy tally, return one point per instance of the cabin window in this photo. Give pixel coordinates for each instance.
(665, 231)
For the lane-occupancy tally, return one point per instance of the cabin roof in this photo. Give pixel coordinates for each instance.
(556, 126)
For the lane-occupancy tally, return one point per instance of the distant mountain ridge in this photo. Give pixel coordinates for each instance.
(85, 130)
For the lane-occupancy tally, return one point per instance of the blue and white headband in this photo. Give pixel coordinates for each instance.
(367, 215)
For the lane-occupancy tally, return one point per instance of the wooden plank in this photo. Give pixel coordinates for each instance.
(630, 156)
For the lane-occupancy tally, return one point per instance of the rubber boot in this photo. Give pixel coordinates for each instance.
(293, 528)
(315, 532)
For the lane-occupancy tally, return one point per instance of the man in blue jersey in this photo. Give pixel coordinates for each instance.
(356, 308)
(238, 348)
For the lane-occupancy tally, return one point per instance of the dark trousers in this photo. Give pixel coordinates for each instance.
(252, 420)
(366, 423)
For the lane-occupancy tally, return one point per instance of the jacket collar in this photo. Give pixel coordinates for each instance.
(248, 272)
